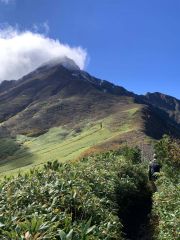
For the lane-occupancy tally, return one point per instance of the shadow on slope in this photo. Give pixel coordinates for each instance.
(11, 153)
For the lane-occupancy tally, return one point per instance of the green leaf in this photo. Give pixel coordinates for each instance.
(2, 225)
(90, 229)
(62, 234)
(69, 235)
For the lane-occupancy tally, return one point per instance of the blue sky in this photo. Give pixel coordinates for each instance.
(132, 43)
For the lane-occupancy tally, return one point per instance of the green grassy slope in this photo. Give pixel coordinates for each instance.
(68, 144)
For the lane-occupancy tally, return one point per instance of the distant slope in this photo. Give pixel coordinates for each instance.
(64, 143)
(166, 103)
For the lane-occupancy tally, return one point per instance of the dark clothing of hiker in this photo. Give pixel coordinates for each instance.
(154, 168)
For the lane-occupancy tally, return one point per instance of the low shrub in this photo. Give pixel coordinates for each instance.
(132, 155)
(85, 200)
(166, 200)
(67, 201)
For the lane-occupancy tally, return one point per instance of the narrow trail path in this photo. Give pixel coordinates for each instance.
(137, 225)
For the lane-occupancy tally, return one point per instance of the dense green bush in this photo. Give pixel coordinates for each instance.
(132, 154)
(67, 201)
(85, 200)
(54, 165)
(166, 200)
(166, 208)
(168, 154)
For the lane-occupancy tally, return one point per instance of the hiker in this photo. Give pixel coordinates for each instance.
(154, 167)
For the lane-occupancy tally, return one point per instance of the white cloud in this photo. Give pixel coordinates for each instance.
(22, 52)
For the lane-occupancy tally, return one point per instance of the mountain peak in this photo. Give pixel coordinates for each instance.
(66, 62)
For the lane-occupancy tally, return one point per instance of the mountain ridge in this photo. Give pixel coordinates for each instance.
(71, 113)
(62, 84)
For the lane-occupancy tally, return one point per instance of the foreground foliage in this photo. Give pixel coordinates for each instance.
(166, 200)
(86, 200)
(62, 202)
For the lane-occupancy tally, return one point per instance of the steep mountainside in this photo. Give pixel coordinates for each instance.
(65, 112)
(167, 103)
(51, 96)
